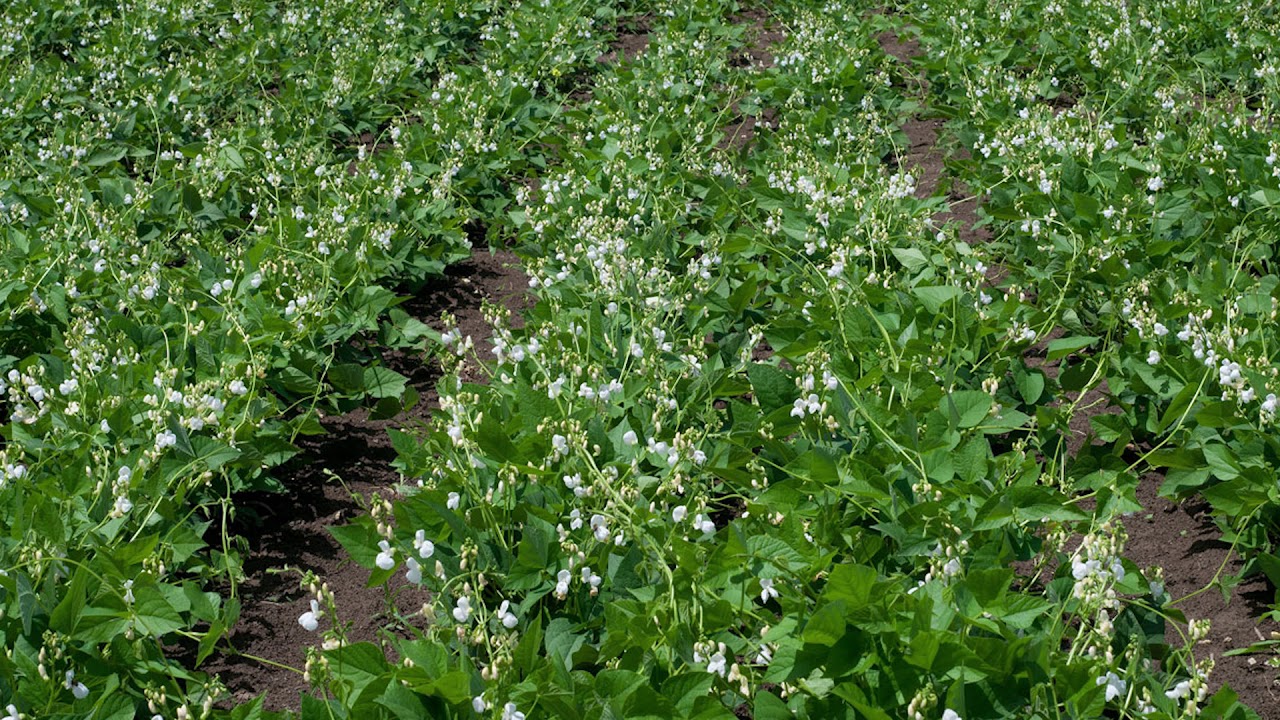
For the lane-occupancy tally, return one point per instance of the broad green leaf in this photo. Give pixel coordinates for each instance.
(827, 625)
(772, 387)
(382, 382)
(967, 407)
(1063, 347)
(934, 297)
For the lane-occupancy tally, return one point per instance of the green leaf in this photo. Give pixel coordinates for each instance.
(911, 258)
(453, 687)
(1180, 406)
(934, 297)
(214, 453)
(773, 388)
(1222, 462)
(495, 441)
(153, 613)
(359, 666)
(1270, 565)
(1063, 347)
(360, 542)
(562, 642)
(106, 156)
(850, 584)
(402, 702)
(770, 707)
(67, 613)
(988, 584)
(1266, 197)
(232, 158)
(115, 707)
(347, 378)
(967, 407)
(314, 708)
(383, 382)
(526, 654)
(1031, 386)
(686, 688)
(827, 625)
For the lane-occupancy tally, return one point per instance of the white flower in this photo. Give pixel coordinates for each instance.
(705, 524)
(1155, 184)
(425, 547)
(165, 439)
(767, 590)
(600, 527)
(462, 611)
(629, 438)
(716, 664)
(765, 656)
(560, 444)
(385, 559)
(309, 620)
(237, 387)
(1115, 686)
(77, 689)
(1179, 691)
(68, 386)
(123, 505)
(950, 714)
(454, 500)
(509, 712)
(13, 713)
(798, 408)
(478, 704)
(679, 514)
(128, 592)
(574, 483)
(1080, 569)
(507, 617)
(1153, 358)
(414, 572)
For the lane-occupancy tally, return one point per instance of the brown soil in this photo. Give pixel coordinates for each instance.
(292, 533)
(741, 133)
(924, 157)
(1182, 539)
(895, 46)
(1093, 402)
(761, 35)
(632, 40)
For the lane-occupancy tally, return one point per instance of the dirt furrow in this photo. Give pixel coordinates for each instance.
(330, 483)
(1181, 538)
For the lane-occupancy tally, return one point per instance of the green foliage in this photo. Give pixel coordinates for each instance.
(772, 437)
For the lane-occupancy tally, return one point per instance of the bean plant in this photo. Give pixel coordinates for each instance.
(777, 436)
